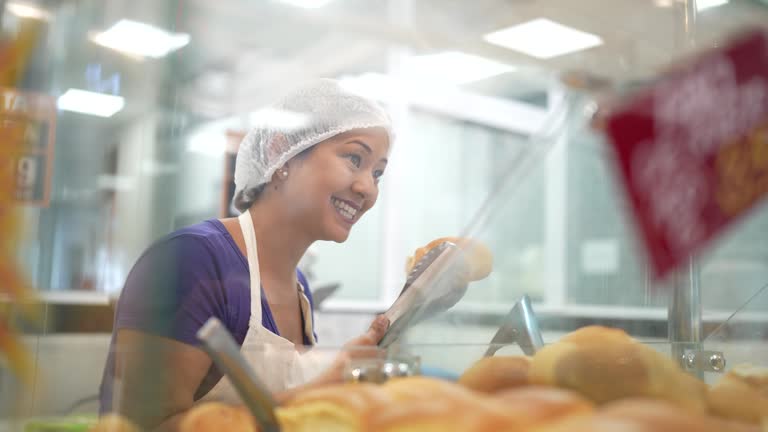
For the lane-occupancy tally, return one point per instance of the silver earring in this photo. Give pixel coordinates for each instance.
(284, 173)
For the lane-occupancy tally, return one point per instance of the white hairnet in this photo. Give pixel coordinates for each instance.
(314, 112)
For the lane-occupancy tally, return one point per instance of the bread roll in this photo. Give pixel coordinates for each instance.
(755, 376)
(742, 394)
(643, 415)
(426, 404)
(114, 423)
(606, 364)
(534, 405)
(663, 416)
(479, 256)
(339, 407)
(408, 389)
(216, 417)
(491, 374)
(441, 414)
(458, 409)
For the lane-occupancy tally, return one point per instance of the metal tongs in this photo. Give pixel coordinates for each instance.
(436, 282)
(218, 343)
(520, 327)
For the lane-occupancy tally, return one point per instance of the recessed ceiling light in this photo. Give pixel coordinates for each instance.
(308, 4)
(707, 4)
(27, 11)
(91, 103)
(543, 38)
(140, 39)
(451, 67)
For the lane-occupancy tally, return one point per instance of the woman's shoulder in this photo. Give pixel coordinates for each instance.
(207, 229)
(204, 240)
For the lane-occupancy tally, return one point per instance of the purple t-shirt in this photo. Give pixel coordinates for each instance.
(178, 283)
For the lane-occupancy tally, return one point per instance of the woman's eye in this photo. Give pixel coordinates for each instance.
(355, 159)
(377, 174)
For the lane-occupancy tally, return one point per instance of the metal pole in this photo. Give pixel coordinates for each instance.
(684, 314)
(684, 317)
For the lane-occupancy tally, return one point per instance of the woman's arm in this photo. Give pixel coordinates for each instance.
(158, 378)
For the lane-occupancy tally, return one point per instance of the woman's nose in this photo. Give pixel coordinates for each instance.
(365, 186)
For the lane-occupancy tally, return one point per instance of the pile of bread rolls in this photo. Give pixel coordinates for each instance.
(594, 379)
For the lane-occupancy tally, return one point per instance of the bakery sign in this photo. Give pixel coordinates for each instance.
(27, 133)
(692, 149)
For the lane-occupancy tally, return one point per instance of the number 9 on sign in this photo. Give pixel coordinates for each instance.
(26, 172)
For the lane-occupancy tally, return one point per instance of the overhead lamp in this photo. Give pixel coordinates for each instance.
(543, 38)
(279, 118)
(451, 67)
(708, 4)
(307, 4)
(140, 39)
(25, 10)
(91, 103)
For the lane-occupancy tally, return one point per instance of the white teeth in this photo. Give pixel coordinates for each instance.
(345, 209)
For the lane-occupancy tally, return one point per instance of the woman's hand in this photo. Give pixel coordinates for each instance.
(362, 346)
(373, 335)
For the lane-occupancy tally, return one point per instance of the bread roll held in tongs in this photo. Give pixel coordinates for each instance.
(438, 276)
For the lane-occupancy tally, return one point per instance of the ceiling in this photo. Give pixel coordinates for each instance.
(246, 51)
(243, 53)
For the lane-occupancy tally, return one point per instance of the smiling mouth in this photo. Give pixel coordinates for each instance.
(345, 210)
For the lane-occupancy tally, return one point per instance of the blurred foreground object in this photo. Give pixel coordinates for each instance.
(215, 417)
(692, 148)
(742, 394)
(17, 123)
(114, 423)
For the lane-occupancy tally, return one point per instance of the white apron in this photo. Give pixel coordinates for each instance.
(273, 358)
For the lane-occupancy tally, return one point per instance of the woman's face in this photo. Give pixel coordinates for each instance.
(337, 182)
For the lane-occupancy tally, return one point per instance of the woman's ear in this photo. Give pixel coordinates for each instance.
(281, 174)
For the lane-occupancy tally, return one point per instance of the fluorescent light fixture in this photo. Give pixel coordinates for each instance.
(279, 118)
(140, 39)
(307, 4)
(707, 4)
(543, 38)
(451, 67)
(85, 102)
(27, 11)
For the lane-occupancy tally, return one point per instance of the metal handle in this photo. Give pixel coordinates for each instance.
(520, 326)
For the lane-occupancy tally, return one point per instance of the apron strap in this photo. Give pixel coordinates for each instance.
(249, 235)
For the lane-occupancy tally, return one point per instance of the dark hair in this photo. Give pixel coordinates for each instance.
(244, 199)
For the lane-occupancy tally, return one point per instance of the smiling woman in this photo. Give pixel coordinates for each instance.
(337, 183)
(296, 183)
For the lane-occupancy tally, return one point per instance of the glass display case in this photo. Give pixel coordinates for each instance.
(510, 158)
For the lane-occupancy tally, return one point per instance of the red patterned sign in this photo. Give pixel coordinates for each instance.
(27, 132)
(692, 149)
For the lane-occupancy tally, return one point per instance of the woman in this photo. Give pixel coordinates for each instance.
(296, 183)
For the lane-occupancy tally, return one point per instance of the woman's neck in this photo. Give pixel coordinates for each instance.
(280, 244)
